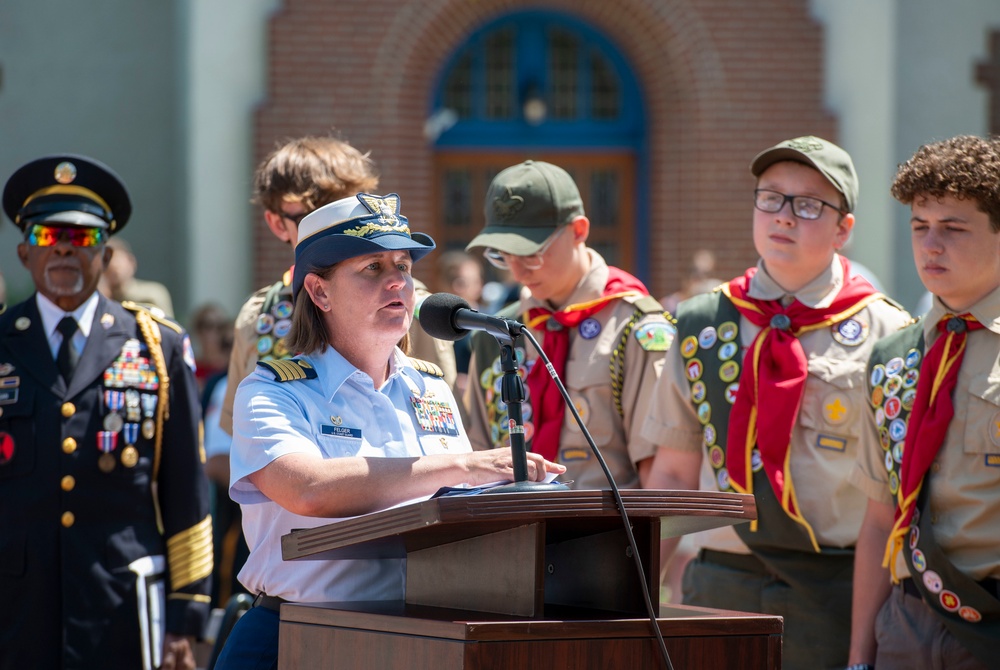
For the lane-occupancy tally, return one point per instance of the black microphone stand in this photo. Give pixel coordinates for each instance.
(512, 393)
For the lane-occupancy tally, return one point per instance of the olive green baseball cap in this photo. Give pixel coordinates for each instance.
(525, 204)
(833, 163)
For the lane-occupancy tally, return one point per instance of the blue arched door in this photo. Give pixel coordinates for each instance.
(545, 86)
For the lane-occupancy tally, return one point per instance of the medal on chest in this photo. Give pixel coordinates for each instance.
(434, 416)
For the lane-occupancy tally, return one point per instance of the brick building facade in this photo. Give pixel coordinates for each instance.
(720, 80)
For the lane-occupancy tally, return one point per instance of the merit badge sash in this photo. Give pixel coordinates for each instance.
(970, 612)
(709, 341)
(773, 381)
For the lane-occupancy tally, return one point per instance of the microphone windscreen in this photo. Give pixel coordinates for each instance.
(436, 314)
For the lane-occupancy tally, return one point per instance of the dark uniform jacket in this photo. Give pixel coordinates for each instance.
(71, 524)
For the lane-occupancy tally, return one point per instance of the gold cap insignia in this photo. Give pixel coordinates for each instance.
(65, 173)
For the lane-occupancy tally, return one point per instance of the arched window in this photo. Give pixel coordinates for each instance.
(550, 87)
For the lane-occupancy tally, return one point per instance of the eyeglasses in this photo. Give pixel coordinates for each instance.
(48, 236)
(503, 260)
(294, 218)
(803, 206)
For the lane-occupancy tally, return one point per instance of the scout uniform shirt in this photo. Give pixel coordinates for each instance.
(267, 317)
(964, 478)
(104, 497)
(321, 404)
(614, 360)
(827, 432)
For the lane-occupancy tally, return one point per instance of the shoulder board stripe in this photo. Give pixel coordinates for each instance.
(427, 367)
(157, 315)
(289, 370)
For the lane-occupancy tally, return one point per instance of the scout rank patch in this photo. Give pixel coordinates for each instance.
(130, 412)
(894, 390)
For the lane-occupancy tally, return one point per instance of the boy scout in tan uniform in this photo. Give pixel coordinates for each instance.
(932, 528)
(298, 177)
(800, 313)
(605, 336)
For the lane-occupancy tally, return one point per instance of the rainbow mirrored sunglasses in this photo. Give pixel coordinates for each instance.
(48, 236)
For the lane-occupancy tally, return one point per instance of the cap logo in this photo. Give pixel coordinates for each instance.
(805, 145)
(65, 172)
(386, 209)
(507, 208)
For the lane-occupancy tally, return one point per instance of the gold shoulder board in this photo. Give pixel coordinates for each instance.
(427, 367)
(289, 370)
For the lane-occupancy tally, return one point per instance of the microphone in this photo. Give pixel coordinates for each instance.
(448, 317)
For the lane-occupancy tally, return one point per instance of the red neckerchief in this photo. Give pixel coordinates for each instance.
(546, 401)
(773, 380)
(932, 412)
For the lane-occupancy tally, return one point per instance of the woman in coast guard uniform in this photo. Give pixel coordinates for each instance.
(105, 535)
(352, 425)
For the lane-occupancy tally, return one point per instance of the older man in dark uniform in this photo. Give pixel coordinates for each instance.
(105, 535)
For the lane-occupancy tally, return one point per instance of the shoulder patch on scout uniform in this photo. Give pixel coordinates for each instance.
(426, 367)
(289, 370)
(157, 315)
(656, 336)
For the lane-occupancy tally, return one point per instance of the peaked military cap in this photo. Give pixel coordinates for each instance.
(69, 190)
(354, 226)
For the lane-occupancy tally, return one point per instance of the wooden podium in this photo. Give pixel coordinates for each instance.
(522, 580)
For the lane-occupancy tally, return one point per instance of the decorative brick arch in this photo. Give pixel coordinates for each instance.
(716, 90)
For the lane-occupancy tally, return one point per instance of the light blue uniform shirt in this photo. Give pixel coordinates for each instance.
(338, 414)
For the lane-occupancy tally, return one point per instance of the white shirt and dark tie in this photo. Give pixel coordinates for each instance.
(58, 323)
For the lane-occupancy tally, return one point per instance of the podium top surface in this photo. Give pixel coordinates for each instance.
(393, 532)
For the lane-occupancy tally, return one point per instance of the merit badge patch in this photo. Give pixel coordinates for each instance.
(689, 345)
(708, 337)
(589, 328)
(727, 331)
(694, 370)
(656, 336)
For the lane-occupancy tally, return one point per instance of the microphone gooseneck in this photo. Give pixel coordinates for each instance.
(614, 492)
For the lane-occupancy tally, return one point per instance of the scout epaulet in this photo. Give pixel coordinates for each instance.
(426, 367)
(289, 369)
(154, 312)
(647, 304)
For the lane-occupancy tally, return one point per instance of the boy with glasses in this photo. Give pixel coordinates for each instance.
(764, 393)
(927, 574)
(602, 331)
(105, 539)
